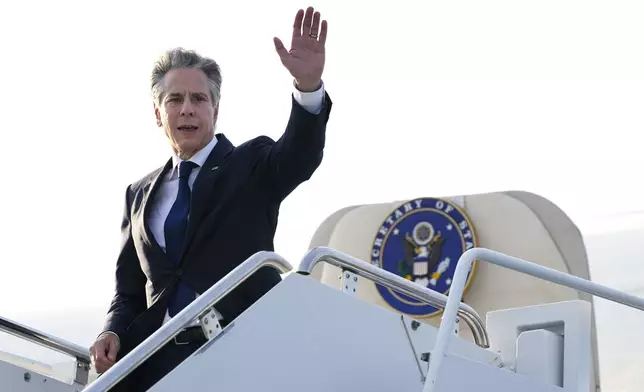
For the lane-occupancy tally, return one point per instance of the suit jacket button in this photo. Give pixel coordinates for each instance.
(179, 272)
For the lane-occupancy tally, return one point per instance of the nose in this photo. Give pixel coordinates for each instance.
(187, 109)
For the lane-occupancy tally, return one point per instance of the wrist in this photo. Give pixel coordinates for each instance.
(307, 86)
(105, 333)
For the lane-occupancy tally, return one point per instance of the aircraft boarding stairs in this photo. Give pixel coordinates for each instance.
(306, 336)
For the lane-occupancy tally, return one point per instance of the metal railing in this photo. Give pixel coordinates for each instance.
(516, 264)
(176, 324)
(395, 282)
(45, 340)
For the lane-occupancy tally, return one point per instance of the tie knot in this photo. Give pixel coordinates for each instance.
(185, 167)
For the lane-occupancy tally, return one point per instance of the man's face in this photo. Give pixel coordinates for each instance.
(186, 111)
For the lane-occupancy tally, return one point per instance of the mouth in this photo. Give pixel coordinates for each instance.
(188, 128)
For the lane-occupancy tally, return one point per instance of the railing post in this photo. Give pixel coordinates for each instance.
(445, 331)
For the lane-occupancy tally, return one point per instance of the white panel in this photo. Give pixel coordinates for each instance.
(463, 375)
(570, 319)
(540, 356)
(17, 379)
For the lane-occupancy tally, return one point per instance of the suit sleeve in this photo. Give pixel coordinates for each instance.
(259, 283)
(129, 297)
(293, 158)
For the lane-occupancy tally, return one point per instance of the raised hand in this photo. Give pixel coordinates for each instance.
(305, 59)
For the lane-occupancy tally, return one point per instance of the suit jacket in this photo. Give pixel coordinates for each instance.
(233, 214)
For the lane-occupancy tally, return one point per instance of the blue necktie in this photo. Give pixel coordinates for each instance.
(175, 231)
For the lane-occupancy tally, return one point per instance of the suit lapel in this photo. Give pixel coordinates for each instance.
(153, 187)
(204, 183)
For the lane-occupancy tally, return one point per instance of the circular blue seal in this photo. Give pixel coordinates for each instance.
(422, 241)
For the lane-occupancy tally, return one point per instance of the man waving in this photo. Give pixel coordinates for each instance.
(212, 205)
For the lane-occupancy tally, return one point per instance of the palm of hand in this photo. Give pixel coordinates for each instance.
(305, 59)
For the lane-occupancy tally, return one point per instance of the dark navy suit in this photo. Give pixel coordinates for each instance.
(233, 214)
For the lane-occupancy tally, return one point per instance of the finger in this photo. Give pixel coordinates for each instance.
(323, 29)
(297, 24)
(279, 48)
(103, 366)
(315, 25)
(113, 349)
(99, 351)
(308, 19)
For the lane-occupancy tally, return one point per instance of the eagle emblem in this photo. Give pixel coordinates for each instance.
(422, 241)
(422, 255)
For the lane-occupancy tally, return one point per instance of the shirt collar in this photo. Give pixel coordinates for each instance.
(199, 157)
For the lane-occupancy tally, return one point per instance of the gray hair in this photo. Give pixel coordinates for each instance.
(182, 58)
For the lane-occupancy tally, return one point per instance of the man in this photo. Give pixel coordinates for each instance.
(230, 194)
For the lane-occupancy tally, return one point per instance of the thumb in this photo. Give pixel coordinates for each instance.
(279, 47)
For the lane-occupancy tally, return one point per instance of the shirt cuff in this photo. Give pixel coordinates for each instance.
(311, 101)
(109, 333)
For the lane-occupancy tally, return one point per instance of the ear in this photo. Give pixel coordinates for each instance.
(157, 114)
(216, 113)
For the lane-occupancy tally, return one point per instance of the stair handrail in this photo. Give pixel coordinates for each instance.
(529, 268)
(195, 309)
(81, 354)
(394, 282)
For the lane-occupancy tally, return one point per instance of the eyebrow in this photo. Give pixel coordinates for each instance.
(178, 95)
